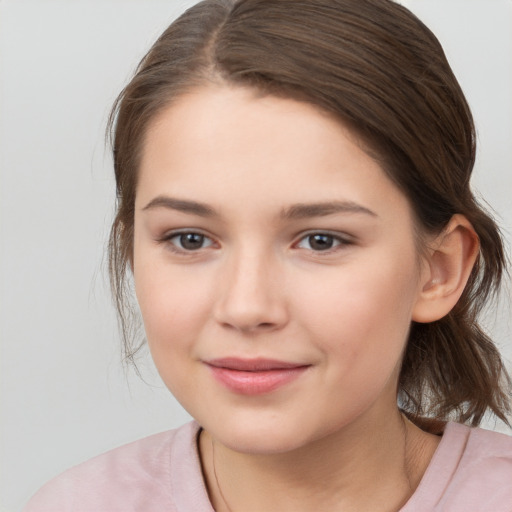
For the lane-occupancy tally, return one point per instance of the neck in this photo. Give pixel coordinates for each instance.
(360, 467)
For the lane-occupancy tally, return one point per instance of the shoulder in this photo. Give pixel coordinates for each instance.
(487, 459)
(487, 442)
(470, 470)
(481, 475)
(136, 476)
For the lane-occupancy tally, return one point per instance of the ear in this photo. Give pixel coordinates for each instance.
(447, 267)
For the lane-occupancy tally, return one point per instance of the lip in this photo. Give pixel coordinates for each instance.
(254, 376)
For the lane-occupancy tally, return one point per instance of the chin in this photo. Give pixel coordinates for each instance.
(262, 443)
(261, 437)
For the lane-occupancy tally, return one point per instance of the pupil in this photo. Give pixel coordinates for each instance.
(191, 241)
(321, 242)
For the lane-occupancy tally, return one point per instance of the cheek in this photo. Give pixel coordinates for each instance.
(172, 306)
(174, 313)
(364, 311)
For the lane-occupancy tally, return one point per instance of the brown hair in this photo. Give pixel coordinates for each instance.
(376, 67)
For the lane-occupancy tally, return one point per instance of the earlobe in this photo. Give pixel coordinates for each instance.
(447, 269)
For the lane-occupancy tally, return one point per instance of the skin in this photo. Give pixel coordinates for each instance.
(257, 287)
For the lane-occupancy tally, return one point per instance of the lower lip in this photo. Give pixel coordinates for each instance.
(256, 383)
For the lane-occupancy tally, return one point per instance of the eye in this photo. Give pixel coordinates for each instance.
(321, 242)
(189, 241)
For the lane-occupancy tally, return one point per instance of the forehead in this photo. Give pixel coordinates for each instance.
(232, 148)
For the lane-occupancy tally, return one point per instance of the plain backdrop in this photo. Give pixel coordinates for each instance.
(64, 393)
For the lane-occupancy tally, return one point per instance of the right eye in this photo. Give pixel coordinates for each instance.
(188, 241)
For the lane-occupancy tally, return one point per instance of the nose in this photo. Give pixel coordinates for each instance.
(252, 295)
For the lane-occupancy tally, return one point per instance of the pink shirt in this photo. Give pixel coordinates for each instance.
(471, 471)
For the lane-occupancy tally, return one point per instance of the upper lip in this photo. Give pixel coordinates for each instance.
(252, 365)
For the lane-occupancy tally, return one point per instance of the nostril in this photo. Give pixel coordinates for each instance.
(249, 305)
(251, 327)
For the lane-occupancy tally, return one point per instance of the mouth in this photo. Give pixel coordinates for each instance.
(255, 376)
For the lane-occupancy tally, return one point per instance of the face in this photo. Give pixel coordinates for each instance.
(275, 266)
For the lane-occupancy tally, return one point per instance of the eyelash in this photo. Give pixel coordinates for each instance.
(337, 240)
(167, 239)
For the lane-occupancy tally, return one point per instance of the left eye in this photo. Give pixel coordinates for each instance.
(190, 241)
(320, 242)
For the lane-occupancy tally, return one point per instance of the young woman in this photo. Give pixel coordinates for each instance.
(309, 261)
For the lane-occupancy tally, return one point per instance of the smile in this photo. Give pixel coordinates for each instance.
(254, 376)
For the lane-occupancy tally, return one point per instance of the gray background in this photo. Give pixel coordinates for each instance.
(64, 394)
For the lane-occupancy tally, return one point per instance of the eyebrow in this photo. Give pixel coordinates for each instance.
(293, 212)
(306, 210)
(181, 205)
